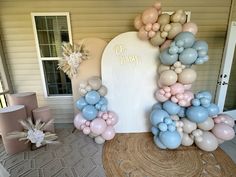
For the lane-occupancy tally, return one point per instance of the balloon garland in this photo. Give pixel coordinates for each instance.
(181, 117)
(94, 119)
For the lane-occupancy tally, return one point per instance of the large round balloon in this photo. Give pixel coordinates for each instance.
(157, 116)
(149, 15)
(188, 56)
(171, 140)
(213, 110)
(81, 103)
(223, 131)
(98, 126)
(168, 78)
(207, 125)
(187, 76)
(209, 142)
(171, 108)
(79, 120)
(92, 97)
(158, 142)
(190, 27)
(109, 133)
(197, 114)
(89, 112)
(187, 37)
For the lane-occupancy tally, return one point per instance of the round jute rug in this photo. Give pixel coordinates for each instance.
(135, 155)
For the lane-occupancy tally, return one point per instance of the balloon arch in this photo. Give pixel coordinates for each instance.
(181, 117)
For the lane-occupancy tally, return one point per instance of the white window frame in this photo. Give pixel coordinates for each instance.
(41, 59)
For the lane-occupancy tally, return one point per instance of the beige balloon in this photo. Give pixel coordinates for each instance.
(168, 78)
(95, 82)
(157, 40)
(176, 28)
(163, 19)
(209, 142)
(189, 126)
(92, 135)
(207, 124)
(186, 140)
(99, 140)
(187, 76)
(163, 68)
(220, 141)
(102, 91)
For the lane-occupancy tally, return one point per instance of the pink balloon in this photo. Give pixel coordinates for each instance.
(138, 22)
(187, 86)
(79, 120)
(114, 118)
(177, 88)
(183, 103)
(108, 121)
(87, 123)
(174, 99)
(223, 131)
(217, 120)
(98, 126)
(151, 34)
(150, 15)
(160, 97)
(82, 126)
(148, 27)
(188, 96)
(165, 45)
(143, 34)
(156, 27)
(190, 27)
(105, 116)
(227, 119)
(86, 130)
(166, 89)
(109, 133)
(168, 94)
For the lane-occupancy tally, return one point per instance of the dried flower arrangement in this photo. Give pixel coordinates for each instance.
(73, 55)
(34, 133)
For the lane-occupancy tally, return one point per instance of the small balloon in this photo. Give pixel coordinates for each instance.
(99, 140)
(109, 133)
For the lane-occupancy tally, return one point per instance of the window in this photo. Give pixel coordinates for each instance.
(51, 29)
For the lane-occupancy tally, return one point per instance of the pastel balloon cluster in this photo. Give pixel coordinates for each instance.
(164, 129)
(185, 49)
(94, 119)
(161, 28)
(181, 117)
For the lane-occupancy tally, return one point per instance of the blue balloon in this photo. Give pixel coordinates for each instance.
(155, 130)
(171, 140)
(81, 103)
(162, 126)
(181, 112)
(197, 114)
(196, 102)
(188, 56)
(168, 59)
(103, 108)
(204, 94)
(200, 45)
(89, 112)
(158, 142)
(157, 106)
(213, 110)
(157, 116)
(92, 97)
(205, 102)
(187, 37)
(103, 100)
(168, 120)
(173, 50)
(171, 108)
(171, 128)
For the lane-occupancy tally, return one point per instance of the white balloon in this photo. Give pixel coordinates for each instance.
(186, 140)
(207, 124)
(189, 126)
(209, 142)
(99, 140)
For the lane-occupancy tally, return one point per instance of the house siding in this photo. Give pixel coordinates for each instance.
(104, 19)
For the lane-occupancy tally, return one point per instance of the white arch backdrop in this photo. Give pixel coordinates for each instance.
(129, 70)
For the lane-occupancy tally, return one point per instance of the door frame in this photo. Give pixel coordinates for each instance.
(223, 80)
